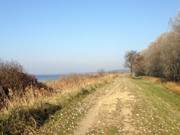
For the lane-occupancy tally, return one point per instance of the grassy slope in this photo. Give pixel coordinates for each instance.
(29, 120)
(157, 109)
(42, 116)
(65, 120)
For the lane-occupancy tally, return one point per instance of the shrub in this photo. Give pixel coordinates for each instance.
(13, 78)
(14, 81)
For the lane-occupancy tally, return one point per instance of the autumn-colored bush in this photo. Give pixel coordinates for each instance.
(14, 81)
(13, 78)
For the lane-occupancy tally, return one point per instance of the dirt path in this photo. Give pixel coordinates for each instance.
(123, 106)
(111, 112)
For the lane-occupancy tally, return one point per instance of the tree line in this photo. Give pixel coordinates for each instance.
(161, 58)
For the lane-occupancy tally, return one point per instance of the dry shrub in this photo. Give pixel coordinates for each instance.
(13, 77)
(15, 83)
(175, 87)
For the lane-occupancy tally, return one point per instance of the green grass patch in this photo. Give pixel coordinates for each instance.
(159, 91)
(157, 109)
(112, 131)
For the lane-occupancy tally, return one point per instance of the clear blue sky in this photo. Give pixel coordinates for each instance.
(62, 36)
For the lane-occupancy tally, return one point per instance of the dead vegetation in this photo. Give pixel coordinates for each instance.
(16, 85)
(74, 81)
(28, 108)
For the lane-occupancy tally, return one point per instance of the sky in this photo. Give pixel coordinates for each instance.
(67, 36)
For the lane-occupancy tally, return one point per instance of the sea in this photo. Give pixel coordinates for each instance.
(42, 78)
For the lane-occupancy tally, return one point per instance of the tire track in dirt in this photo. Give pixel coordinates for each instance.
(113, 108)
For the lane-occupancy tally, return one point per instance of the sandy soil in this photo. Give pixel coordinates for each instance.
(111, 112)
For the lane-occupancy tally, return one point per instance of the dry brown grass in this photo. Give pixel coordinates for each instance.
(152, 79)
(173, 86)
(16, 84)
(65, 85)
(74, 81)
(30, 110)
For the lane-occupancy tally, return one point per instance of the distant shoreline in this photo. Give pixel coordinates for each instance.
(52, 77)
(47, 77)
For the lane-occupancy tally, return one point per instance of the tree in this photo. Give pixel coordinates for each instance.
(171, 57)
(175, 23)
(161, 58)
(152, 56)
(129, 59)
(139, 64)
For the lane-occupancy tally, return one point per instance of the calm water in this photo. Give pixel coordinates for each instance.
(47, 77)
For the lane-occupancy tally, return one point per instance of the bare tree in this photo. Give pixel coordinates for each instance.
(161, 58)
(170, 56)
(175, 23)
(129, 59)
(139, 65)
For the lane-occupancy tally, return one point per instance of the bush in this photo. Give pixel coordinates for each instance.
(13, 78)
(14, 81)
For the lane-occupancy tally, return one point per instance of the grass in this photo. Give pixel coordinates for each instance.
(157, 109)
(107, 131)
(65, 120)
(158, 91)
(24, 119)
(172, 86)
(112, 131)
